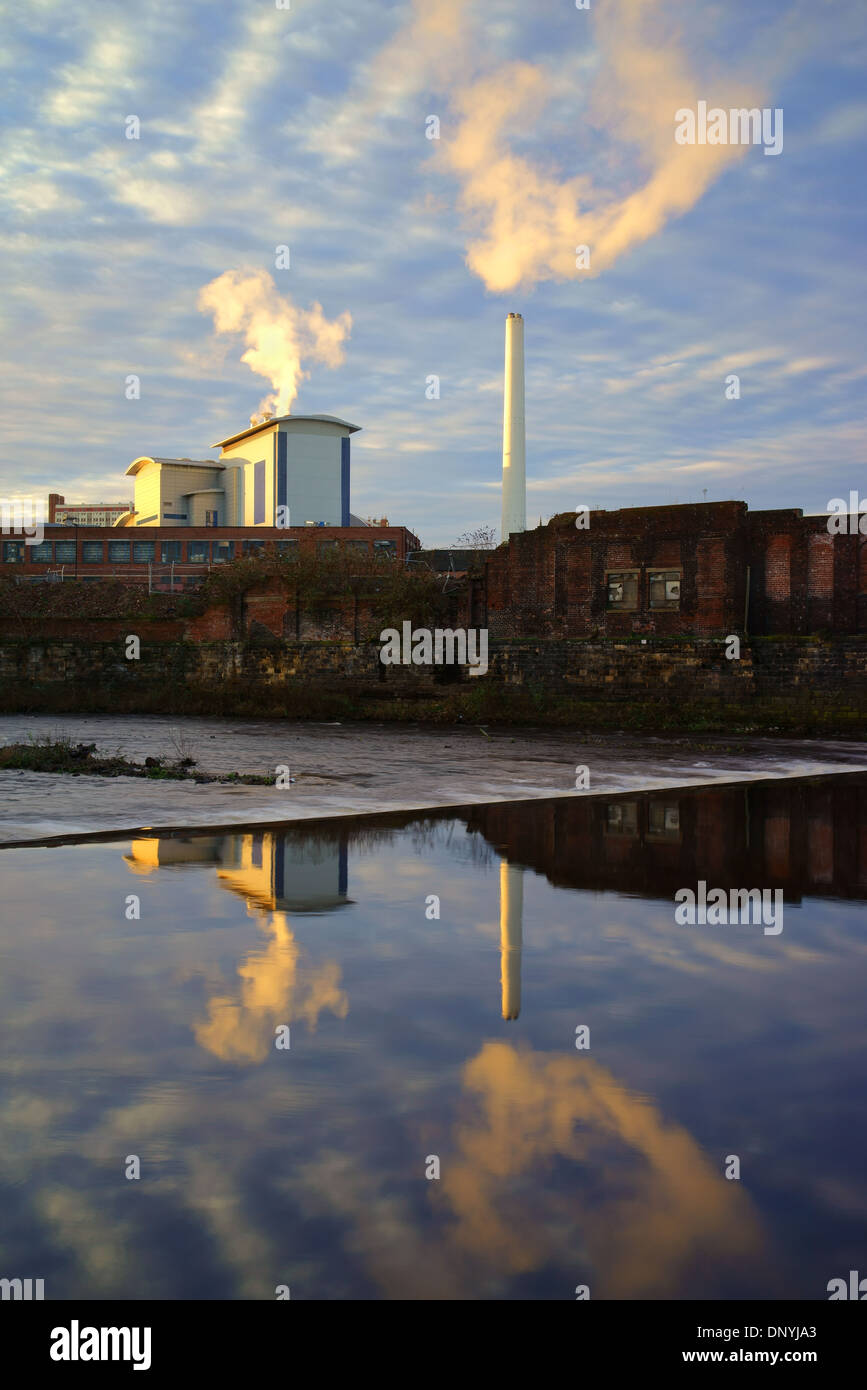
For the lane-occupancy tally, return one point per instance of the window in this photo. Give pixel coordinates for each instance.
(328, 543)
(212, 518)
(13, 552)
(287, 546)
(385, 547)
(40, 554)
(91, 552)
(358, 545)
(170, 550)
(197, 551)
(118, 552)
(222, 551)
(664, 586)
(622, 819)
(258, 493)
(622, 586)
(663, 822)
(64, 552)
(143, 552)
(254, 547)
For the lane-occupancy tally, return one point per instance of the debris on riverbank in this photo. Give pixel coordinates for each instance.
(82, 760)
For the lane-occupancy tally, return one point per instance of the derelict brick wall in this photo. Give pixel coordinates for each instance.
(799, 579)
(803, 838)
(552, 581)
(802, 579)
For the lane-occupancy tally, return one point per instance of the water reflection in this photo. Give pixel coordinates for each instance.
(276, 984)
(559, 1167)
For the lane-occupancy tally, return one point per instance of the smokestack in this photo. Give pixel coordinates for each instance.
(514, 439)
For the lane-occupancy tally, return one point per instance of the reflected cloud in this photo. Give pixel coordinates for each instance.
(242, 1029)
(649, 1206)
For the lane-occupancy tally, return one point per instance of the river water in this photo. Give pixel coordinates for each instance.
(340, 1058)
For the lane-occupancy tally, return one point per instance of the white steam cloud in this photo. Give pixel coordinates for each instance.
(279, 335)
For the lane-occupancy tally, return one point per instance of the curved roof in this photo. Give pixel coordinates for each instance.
(287, 420)
(138, 464)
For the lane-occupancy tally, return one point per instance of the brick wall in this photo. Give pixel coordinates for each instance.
(552, 581)
(794, 576)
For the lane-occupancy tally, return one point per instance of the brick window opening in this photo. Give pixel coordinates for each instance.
(221, 551)
(622, 586)
(664, 588)
(171, 550)
(663, 822)
(253, 548)
(91, 552)
(197, 551)
(622, 819)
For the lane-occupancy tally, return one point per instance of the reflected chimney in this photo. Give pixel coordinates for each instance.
(511, 933)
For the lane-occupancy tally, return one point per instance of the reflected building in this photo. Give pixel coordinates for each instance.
(271, 871)
(805, 837)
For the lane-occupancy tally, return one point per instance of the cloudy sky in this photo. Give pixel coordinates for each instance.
(306, 128)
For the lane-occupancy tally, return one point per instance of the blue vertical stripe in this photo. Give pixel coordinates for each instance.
(259, 493)
(282, 471)
(344, 481)
(279, 866)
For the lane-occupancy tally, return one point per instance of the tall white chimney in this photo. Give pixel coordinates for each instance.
(514, 438)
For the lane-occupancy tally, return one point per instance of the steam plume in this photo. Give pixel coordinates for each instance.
(278, 334)
(523, 220)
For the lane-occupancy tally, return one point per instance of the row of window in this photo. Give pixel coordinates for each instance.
(624, 587)
(662, 821)
(145, 552)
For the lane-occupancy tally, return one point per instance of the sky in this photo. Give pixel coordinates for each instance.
(307, 128)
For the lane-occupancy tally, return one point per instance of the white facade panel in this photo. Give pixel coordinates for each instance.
(313, 478)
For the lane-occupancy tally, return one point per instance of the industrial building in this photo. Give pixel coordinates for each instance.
(63, 513)
(288, 470)
(170, 559)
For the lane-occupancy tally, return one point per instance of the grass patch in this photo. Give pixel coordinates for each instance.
(60, 754)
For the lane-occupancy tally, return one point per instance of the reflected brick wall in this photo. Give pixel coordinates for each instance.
(806, 838)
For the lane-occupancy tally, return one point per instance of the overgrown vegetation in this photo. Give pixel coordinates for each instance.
(27, 604)
(60, 754)
(392, 592)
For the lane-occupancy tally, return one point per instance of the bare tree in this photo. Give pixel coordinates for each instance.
(483, 538)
